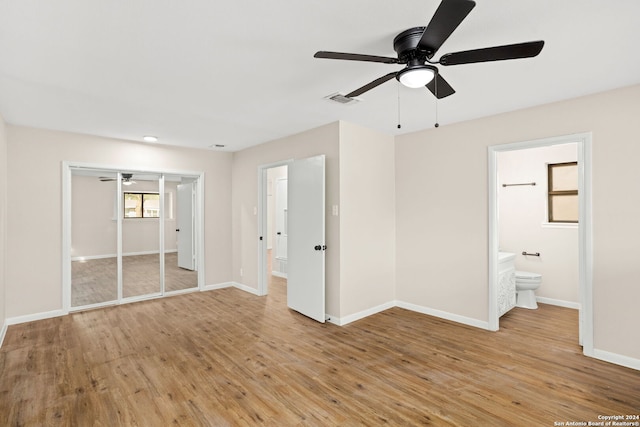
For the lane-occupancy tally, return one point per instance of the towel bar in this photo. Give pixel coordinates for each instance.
(525, 253)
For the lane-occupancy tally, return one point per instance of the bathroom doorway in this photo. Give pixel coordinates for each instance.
(581, 144)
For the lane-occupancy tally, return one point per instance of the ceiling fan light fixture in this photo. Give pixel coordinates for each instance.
(126, 182)
(415, 77)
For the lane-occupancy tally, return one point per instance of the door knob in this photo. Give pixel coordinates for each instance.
(317, 247)
(177, 229)
(279, 233)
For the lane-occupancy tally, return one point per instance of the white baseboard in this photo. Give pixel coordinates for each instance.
(279, 274)
(246, 288)
(217, 286)
(36, 316)
(559, 302)
(444, 315)
(341, 321)
(237, 285)
(90, 257)
(617, 359)
(3, 332)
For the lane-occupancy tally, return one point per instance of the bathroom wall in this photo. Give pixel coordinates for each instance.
(522, 222)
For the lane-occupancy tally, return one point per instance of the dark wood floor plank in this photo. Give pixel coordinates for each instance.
(230, 358)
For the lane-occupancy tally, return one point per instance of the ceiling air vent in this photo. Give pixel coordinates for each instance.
(341, 99)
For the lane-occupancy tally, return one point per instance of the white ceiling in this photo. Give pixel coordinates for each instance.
(239, 73)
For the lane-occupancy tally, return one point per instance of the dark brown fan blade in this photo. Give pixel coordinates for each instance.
(355, 57)
(497, 53)
(369, 86)
(439, 87)
(104, 179)
(448, 16)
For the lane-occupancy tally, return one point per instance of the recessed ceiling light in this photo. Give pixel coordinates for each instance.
(217, 146)
(149, 138)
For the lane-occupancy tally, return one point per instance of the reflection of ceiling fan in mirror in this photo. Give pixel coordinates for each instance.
(126, 179)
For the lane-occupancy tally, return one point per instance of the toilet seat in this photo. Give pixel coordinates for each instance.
(527, 275)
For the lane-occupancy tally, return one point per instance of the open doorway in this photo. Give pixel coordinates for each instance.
(297, 232)
(273, 262)
(582, 143)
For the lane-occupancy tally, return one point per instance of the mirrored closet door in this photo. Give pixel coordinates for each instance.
(133, 236)
(180, 270)
(141, 223)
(94, 238)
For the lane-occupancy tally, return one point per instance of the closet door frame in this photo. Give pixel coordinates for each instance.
(67, 172)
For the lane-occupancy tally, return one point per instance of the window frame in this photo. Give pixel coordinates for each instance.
(551, 193)
(142, 199)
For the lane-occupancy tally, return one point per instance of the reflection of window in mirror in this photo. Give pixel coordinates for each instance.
(563, 192)
(141, 205)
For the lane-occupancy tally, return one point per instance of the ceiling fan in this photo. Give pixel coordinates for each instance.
(126, 179)
(416, 47)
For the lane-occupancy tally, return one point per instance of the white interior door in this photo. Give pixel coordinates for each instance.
(280, 266)
(186, 226)
(306, 244)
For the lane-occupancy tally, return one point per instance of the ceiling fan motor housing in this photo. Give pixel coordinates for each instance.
(406, 45)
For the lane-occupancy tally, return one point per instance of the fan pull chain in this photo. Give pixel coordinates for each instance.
(436, 90)
(398, 87)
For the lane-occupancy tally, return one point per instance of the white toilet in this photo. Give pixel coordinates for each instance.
(526, 284)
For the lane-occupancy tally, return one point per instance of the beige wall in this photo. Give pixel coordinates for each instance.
(441, 199)
(522, 213)
(367, 219)
(360, 261)
(94, 227)
(322, 140)
(440, 213)
(3, 223)
(35, 235)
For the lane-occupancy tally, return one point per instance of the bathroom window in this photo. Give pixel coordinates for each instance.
(563, 192)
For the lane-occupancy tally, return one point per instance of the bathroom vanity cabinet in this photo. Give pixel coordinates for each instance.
(506, 282)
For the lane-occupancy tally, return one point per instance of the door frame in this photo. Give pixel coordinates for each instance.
(276, 249)
(263, 283)
(67, 167)
(585, 232)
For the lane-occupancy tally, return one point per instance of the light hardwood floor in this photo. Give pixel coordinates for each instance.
(229, 358)
(95, 281)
